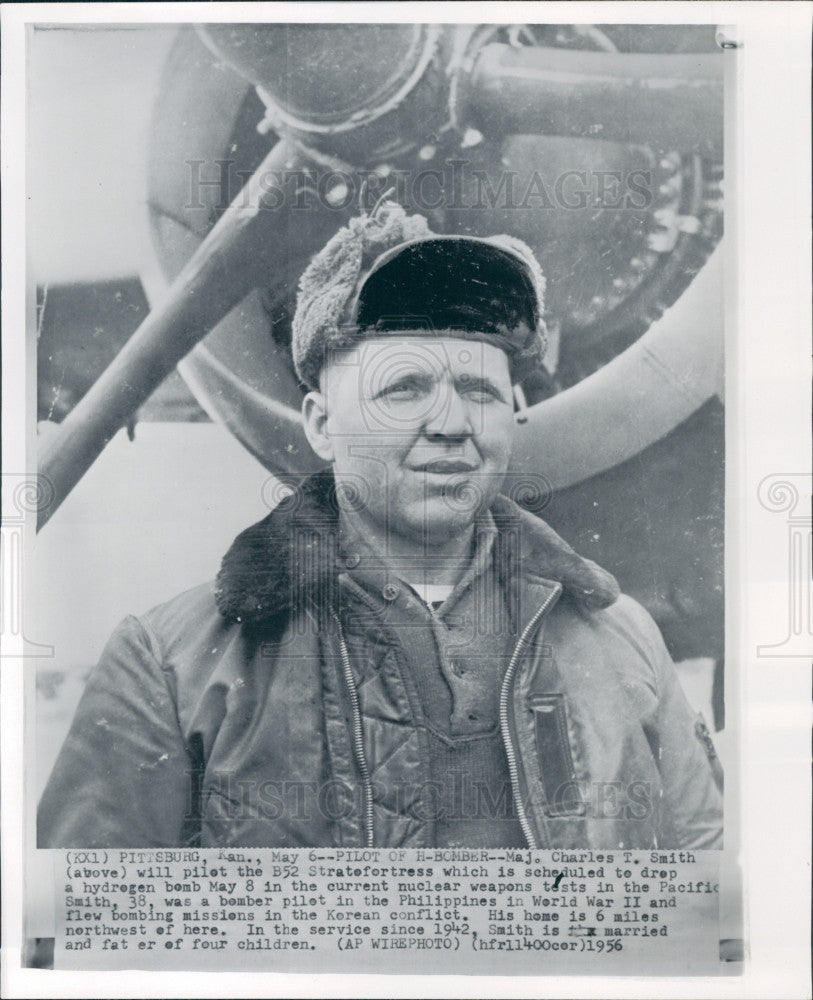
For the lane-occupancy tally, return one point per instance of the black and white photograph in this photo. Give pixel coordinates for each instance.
(425, 643)
(379, 535)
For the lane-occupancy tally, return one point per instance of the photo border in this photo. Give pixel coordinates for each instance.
(767, 434)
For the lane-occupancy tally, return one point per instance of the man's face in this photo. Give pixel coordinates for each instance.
(418, 430)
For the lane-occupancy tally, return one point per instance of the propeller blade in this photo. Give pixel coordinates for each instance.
(243, 250)
(635, 399)
(253, 418)
(589, 94)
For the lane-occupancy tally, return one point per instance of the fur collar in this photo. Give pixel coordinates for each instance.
(292, 553)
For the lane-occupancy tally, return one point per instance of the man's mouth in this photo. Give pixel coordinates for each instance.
(446, 467)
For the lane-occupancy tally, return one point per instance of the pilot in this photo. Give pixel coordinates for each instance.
(398, 655)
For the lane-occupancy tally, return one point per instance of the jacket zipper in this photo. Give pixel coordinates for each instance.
(505, 691)
(510, 752)
(358, 736)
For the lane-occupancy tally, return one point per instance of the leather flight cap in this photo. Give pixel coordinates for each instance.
(460, 286)
(387, 273)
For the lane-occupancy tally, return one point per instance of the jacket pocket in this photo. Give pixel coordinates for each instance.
(562, 790)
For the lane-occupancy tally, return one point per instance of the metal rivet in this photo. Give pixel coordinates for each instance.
(390, 592)
(352, 560)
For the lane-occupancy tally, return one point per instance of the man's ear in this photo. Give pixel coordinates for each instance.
(314, 418)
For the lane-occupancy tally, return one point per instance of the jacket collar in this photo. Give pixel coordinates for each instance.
(292, 557)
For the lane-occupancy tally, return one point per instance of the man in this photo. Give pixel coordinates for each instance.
(398, 655)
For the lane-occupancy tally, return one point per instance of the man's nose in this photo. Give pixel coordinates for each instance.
(450, 417)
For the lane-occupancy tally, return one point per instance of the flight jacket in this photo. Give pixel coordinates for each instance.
(235, 715)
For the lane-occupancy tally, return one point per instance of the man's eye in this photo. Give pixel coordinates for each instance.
(481, 394)
(404, 391)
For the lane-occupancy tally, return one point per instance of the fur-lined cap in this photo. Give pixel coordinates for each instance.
(388, 273)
